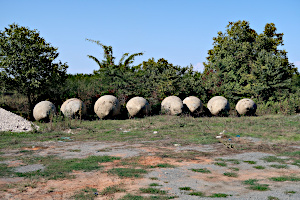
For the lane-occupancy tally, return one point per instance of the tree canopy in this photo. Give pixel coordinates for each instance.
(27, 63)
(244, 63)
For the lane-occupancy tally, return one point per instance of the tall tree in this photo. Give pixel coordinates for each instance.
(244, 63)
(27, 63)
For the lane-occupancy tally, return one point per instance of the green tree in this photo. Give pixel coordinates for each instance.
(27, 64)
(243, 63)
(116, 79)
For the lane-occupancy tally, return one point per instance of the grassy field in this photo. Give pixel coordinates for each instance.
(169, 129)
(274, 134)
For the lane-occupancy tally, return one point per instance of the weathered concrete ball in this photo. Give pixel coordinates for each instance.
(246, 107)
(172, 105)
(43, 110)
(218, 105)
(107, 106)
(73, 108)
(138, 106)
(193, 103)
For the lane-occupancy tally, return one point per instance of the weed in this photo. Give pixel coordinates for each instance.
(87, 193)
(135, 197)
(273, 159)
(234, 169)
(230, 174)
(154, 184)
(279, 166)
(291, 154)
(112, 190)
(163, 165)
(218, 195)
(201, 170)
(200, 194)
(284, 178)
(153, 178)
(221, 164)
(75, 150)
(5, 170)
(151, 190)
(254, 185)
(272, 198)
(59, 168)
(127, 172)
(251, 162)
(289, 192)
(185, 188)
(233, 161)
(259, 167)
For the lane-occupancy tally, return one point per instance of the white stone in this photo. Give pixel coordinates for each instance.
(172, 105)
(107, 106)
(43, 110)
(218, 105)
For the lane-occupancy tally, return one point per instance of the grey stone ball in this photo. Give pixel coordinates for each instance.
(172, 105)
(218, 105)
(107, 106)
(138, 106)
(73, 108)
(43, 110)
(193, 103)
(246, 107)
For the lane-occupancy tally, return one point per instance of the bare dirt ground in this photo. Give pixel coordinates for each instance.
(171, 179)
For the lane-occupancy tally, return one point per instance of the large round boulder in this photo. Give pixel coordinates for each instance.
(73, 108)
(44, 110)
(172, 105)
(246, 107)
(218, 105)
(138, 106)
(107, 106)
(193, 104)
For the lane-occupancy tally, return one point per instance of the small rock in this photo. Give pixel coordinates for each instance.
(177, 145)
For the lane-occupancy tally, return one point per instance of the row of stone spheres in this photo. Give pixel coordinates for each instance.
(108, 106)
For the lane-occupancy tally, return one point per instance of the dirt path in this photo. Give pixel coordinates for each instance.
(179, 178)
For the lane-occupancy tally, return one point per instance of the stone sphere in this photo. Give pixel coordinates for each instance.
(246, 107)
(218, 105)
(138, 106)
(73, 108)
(43, 110)
(193, 103)
(172, 105)
(107, 106)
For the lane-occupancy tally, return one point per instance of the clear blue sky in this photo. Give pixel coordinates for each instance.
(179, 31)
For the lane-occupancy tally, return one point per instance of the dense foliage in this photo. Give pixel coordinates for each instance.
(243, 63)
(27, 64)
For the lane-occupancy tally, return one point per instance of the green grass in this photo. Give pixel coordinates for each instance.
(60, 168)
(5, 171)
(290, 192)
(151, 190)
(234, 169)
(279, 166)
(251, 162)
(154, 184)
(285, 178)
(274, 159)
(84, 194)
(127, 172)
(185, 188)
(163, 165)
(153, 178)
(272, 198)
(233, 161)
(230, 174)
(136, 197)
(221, 164)
(259, 167)
(202, 170)
(112, 190)
(219, 195)
(199, 194)
(291, 154)
(254, 185)
(196, 130)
